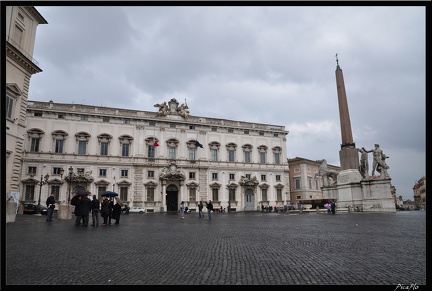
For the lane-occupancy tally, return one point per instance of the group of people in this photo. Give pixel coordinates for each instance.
(209, 206)
(84, 206)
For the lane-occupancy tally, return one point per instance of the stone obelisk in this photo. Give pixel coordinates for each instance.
(348, 154)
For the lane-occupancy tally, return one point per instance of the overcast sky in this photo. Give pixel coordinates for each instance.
(272, 65)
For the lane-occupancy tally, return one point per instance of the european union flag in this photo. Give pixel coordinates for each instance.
(198, 144)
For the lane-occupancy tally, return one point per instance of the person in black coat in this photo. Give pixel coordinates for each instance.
(110, 209)
(333, 208)
(116, 212)
(86, 209)
(95, 205)
(50, 203)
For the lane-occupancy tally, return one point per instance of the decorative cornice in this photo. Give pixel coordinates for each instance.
(13, 53)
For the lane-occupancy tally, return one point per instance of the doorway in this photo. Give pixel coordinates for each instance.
(172, 198)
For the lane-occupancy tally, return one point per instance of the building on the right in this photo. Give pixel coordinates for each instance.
(419, 191)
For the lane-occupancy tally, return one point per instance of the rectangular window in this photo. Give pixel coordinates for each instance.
(248, 176)
(152, 123)
(29, 194)
(297, 183)
(34, 145)
(84, 117)
(56, 171)
(105, 119)
(123, 193)
(232, 195)
(231, 155)
(214, 176)
(61, 116)
(262, 158)
(277, 158)
(172, 125)
(151, 151)
(214, 129)
(124, 173)
(150, 174)
(247, 157)
(192, 153)
(232, 177)
(191, 126)
(264, 194)
(275, 135)
(310, 183)
(125, 150)
(246, 131)
(31, 170)
(126, 121)
(172, 153)
(56, 190)
(192, 194)
(192, 175)
(9, 106)
(278, 178)
(59, 146)
(215, 194)
(316, 184)
(39, 114)
(104, 148)
(279, 194)
(263, 177)
(214, 156)
(82, 147)
(102, 172)
(230, 130)
(150, 194)
(261, 133)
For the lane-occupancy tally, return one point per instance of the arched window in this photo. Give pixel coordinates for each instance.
(104, 141)
(247, 152)
(125, 144)
(82, 139)
(262, 151)
(35, 137)
(231, 152)
(214, 150)
(59, 137)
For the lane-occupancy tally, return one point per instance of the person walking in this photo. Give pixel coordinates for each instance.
(182, 209)
(50, 203)
(116, 211)
(104, 210)
(333, 208)
(200, 208)
(76, 201)
(95, 205)
(209, 209)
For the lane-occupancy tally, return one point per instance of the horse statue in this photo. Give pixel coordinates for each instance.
(327, 174)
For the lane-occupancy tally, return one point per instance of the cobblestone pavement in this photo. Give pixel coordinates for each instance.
(231, 249)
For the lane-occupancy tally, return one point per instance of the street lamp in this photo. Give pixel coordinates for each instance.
(70, 182)
(42, 182)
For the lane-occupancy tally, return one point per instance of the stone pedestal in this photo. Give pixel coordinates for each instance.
(349, 189)
(377, 196)
(11, 210)
(64, 211)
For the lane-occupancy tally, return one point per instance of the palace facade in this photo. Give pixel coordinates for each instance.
(153, 159)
